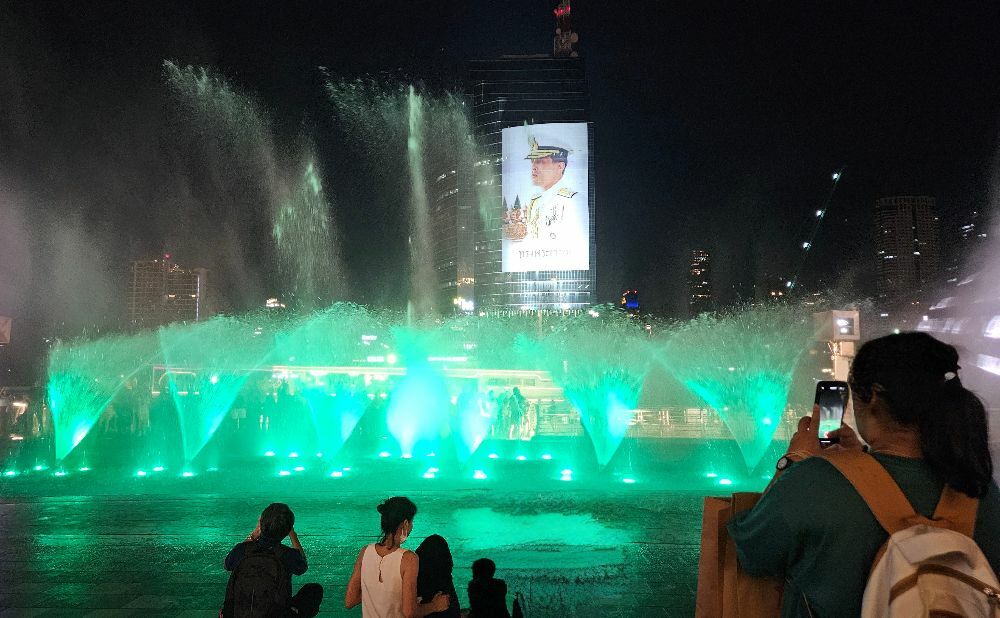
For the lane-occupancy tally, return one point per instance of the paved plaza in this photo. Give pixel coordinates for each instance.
(79, 546)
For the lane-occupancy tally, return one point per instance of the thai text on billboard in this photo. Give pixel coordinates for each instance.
(545, 219)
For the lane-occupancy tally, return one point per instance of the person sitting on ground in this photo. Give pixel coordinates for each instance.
(262, 569)
(487, 596)
(922, 426)
(385, 575)
(436, 565)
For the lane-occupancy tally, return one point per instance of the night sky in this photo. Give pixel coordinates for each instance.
(717, 127)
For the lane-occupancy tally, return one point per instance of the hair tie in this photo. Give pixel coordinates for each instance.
(950, 375)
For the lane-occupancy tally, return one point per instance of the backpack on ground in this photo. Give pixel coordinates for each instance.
(928, 567)
(259, 586)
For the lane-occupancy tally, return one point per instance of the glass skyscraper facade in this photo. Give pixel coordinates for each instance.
(508, 92)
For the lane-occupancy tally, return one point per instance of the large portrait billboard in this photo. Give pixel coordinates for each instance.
(545, 219)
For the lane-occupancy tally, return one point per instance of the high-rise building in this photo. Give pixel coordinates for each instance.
(160, 292)
(700, 283)
(453, 238)
(907, 248)
(527, 91)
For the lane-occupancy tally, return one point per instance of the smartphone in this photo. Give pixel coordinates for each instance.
(831, 397)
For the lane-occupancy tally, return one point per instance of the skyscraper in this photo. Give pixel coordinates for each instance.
(700, 283)
(510, 235)
(907, 248)
(160, 292)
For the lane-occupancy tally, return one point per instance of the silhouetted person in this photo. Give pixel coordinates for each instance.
(487, 595)
(262, 569)
(435, 574)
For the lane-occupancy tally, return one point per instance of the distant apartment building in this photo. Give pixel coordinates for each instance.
(907, 248)
(700, 283)
(160, 292)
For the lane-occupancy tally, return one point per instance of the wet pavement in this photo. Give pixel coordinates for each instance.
(154, 547)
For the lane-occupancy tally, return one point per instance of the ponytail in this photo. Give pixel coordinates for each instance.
(916, 376)
(955, 439)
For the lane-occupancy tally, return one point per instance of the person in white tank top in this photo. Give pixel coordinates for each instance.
(384, 581)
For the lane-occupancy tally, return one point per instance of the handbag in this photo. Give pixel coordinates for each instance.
(724, 590)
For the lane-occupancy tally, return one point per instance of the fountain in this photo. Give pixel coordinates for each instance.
(341, 384)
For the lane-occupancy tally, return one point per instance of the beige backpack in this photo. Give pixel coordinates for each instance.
(929, 567)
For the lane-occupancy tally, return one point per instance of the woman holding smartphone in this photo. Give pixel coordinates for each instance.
(384, 580)
(922, 426)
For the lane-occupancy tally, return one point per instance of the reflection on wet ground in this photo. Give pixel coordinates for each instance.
(155, 548)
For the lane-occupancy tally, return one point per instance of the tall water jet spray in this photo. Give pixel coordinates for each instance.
(245, 168)
(303, 237)
(741, 365)
(422, 283)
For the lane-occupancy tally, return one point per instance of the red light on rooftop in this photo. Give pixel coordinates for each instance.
(166, 256)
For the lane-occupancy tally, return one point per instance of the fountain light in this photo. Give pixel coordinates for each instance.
(39, 468)
(479, 475)
(725, 482)
(428, 475)
(432, 454)
(521, 458)
(384, 454)
(494, 456)
(319, 455)
(546, 457)
(10, 473)
(336, 474)
(269, 454)
(187, 474)
(434, 470)
(299, 468)
(85, 469)
(158, 469)
(60, 473)
(407, 455)
(566, 477)
(284, 473)
(628, 480)
(140, 473)
(711, 475)
(346, 469)
(293, 454)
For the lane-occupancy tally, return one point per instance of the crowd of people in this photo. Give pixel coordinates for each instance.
(387, 581)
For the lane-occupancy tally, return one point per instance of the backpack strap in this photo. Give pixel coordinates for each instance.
(956, 511)
(876, 487)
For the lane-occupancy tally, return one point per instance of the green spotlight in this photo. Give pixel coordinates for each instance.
(269, 454)
(711, 475)
(85, 469)
(725, 482)
(140, 473)
(407, 455)
(628, 480)
(494, 456)
(336, 474)
(428, 475)
(479, 475)
(293, 454)
(158, 469)
(187, 474)
(10, 473)
(319, 454)
(60, 473)
(299, 468)
(546, 457)
(284, 473)
(39, 468)
(384, 454)
(521, 458)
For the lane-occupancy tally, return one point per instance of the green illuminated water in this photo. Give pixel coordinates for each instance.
(313, 384)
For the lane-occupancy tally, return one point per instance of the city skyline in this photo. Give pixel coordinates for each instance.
(707, 139)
